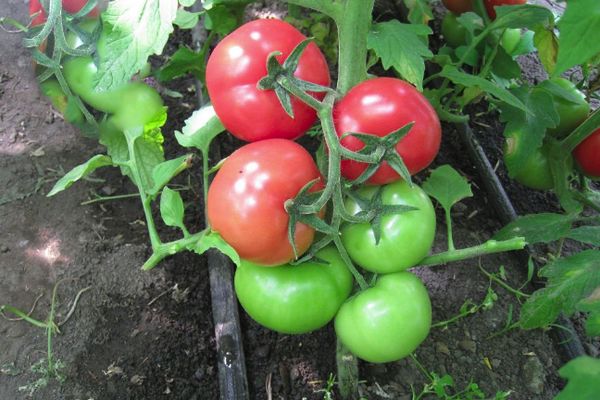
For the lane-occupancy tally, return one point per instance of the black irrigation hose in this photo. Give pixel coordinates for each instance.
(231, 362)
(566, 338)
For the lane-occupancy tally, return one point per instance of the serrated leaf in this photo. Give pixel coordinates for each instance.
(579, 27)
(527, 128)
(135, 30)
(403, 47)
(167, 170)
(468, 80)
(200, 129)
(220, 19)
(547, 46)
(447, 186)
(212, 240)
(591, 305)
(171, 208)
(183, 61)
(586, 234)
(186, 19)
(80, 171)
(537, 228)
(419, 11)
(505, 66)
(149, 154)
(520, 16)
(570, 279)
(583, 374)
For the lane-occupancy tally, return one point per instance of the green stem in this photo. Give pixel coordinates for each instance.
(353, 28)
(580, 133)
(164, 250)
(347, 371)
(205, 176)
(329, 8)
(489, 247)
(23, 316)
(502, 283)
(109, 198)
(449, 230)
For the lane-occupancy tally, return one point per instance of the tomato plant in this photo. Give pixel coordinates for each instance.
(587, 154)
(246, 199)
(239, 62)
(294, 298)
(570, 104)
(454, 33)
(406, 237)
(380, 106)
(510, 39)
(387, 321)
(490, 4)
(70, 6)
(458, 6)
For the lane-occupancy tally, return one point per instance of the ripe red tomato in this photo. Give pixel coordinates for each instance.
(380, 106)
(239, 62)
(587, 154)
(70, 6)
(458, 6)
(246, 199)
(490, 4)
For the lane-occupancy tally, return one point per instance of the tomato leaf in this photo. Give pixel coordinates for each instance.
(135, 30)
(80, 171)
(167, 170)
(186, 19)
(570, 279)
(403, 47)
(528, 128)
(546, 43)
(583, 374)
(447, 186)
(171, 208)
(578, 41)
(537, 228)
(520, 16)
(419, 11)
(212, 240)
(469, 80)
(183, 61)
(591, 305)
(586, 234)
(200, 129)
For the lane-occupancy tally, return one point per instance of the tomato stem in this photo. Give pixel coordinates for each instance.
(164, 250)
(489, 247)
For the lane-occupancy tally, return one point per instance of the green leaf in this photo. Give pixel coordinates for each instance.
(80, 171)
(221, 19)
(213, 240)
(186, 3)
(525, 45)
(570, 279)
(200, 129)
(468, 80)
(583, 374)
(547, 45)
(505, 66)
(167, 170)
(537, 228)
(171, 208)
(528, 128)
(579, 27)
(403, 47)
(521, 16)
(186, 19)
(419, 11)
(447, 186)
(134, 31)
(149, 154)
(591, 305)
(586, 234)
(183, 61)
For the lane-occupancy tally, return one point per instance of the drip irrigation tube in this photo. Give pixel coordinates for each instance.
(566, 339)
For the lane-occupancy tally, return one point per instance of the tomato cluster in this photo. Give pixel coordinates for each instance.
(249, 196)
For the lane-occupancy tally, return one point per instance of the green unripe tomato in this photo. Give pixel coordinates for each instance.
(294, 298)
(454, 33)
(88, 25)
(536, 173)
(406, 238)
(572, 110)
(388, 321)
(510, 40)
(139, 104)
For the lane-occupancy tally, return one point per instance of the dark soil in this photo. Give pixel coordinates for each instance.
(149, 335)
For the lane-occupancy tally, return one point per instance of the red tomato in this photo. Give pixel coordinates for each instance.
(239, 62)
(458, 6)
(380, 106)
(490, 4)
(587, 154)
(70, 6)
(246, 199)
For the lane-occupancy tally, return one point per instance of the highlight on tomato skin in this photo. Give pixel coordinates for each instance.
(380, 106)
(247, 196)
(236, 65)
